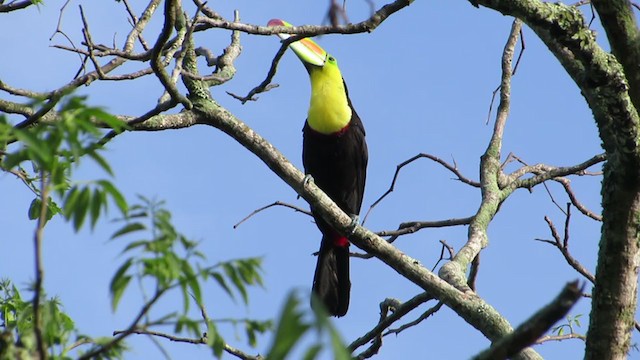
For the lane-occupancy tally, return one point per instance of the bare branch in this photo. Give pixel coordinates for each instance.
(562, 244)
(566, 184)
(421, 318)
(130, 330)
(560, 338)
(266, 85)
(513, 72)
(531, 330)
(308, 30)
(196, 341)
(453, 168)
(385, 321)
(545, 172)
(276, 203)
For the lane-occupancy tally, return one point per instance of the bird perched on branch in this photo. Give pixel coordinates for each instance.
(335, 154)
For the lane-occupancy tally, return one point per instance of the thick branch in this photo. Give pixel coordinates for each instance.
(532, 329)
(620, 23)
(602, 81)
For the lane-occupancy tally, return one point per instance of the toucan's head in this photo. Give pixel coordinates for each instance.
(329, 109)
(313, 57)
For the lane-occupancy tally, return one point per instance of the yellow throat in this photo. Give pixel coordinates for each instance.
(329, 111)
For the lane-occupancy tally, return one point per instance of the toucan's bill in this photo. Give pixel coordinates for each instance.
(306, 49)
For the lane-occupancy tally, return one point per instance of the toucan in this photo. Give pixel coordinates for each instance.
(334, 154)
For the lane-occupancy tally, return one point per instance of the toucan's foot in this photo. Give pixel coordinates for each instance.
(355, 221)
(307, 179)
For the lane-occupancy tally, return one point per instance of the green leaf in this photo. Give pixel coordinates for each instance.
(97, 203)
(192, 282)
(127, 229)
(70, 202)
(115, 195)
(119, 283)
(291, 327)
(36, 148)
(81, 208)
(223, 283)
(36, 206)
(340, 351)
(215, 341)
(232, 274)
(34, 209)
(101, 162)
(312, 352)
(134, 244)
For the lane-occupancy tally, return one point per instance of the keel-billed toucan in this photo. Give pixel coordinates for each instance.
(334, 153)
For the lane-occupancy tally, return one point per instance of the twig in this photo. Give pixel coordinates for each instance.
(266, 85)
(563, 245)
(162, 107)
(574, 199)
(134, 21)
(139, 331)
(450, 251)
(432, 310)
(385, 321)
(275, 203)
(533, 328)
(130, 330)
(453, 168)
(59, 31)
(89, 43)
(560, 338)
(412, 227)
(544, 172)
(513, 72)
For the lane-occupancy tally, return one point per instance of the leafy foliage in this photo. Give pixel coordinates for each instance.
(17, 328)
(292, 326)
(54, 151)
(568, 327)
(160, 253)
(157, 255)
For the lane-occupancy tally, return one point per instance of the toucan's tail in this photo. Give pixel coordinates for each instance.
(331, 283)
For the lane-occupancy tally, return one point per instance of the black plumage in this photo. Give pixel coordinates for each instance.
(338, 163)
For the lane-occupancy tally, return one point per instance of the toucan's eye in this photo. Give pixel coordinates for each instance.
(332, 59)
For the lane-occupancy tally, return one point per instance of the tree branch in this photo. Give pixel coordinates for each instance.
(385, 321)
(621, 26)
(15, 5)
(532, 329)
(308, 30)
(130, 330)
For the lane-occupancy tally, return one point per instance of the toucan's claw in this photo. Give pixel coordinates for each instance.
(307, 180)
(355, 221)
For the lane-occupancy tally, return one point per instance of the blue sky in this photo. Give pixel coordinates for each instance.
(421, 82)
